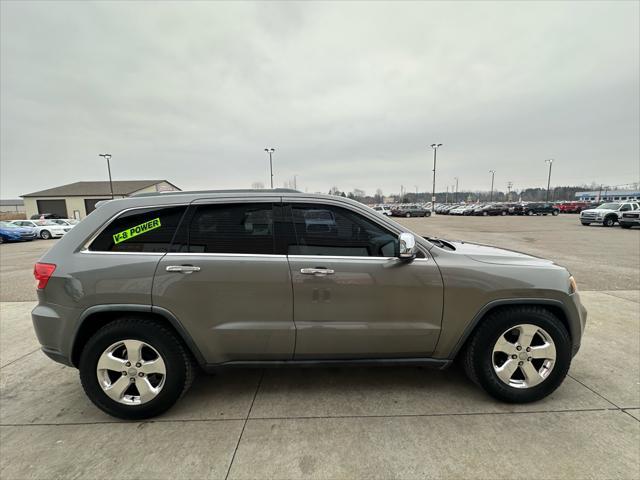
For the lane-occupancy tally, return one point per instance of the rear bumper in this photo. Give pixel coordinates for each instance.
(55, 326)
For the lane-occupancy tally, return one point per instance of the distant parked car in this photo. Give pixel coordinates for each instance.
(608, 213)
(65, 222)
(517, 209)
(572, 207)
(45, 229)
(629, 219)
(541, 209)
(320, 221)
(383, 209)
(45, 216)
(492, 209)
(458, 210)
(12, 233)
(410, 211)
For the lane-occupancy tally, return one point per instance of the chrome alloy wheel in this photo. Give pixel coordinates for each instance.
(131, 372)
(524, 356)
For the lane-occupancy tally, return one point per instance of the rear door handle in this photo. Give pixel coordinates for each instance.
(182, 268)
(318, 271)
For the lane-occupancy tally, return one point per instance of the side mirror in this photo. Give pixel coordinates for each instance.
(407, 246)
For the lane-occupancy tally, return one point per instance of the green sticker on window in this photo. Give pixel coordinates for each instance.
(129, 233)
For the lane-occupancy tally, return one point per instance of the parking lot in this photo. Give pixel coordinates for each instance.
(345, 423)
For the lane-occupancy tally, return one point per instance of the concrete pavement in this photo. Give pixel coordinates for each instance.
(331, 423)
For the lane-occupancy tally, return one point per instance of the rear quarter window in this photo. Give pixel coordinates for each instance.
(140, 230)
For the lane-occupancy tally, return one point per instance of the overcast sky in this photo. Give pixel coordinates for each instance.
(349, 94)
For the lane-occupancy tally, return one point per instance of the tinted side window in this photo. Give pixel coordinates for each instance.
(140, 230)
(330, 230)
(231, 228)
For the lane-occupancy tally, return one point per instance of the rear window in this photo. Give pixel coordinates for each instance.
(140, 230)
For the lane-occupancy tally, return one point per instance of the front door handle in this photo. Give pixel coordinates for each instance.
(182, 268)
(318, 271)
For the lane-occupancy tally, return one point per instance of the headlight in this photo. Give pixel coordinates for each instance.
(573, 286)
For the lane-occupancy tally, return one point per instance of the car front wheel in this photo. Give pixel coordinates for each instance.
(134, 368)
(45, 234)
(586, 224)
(529, 212)
(555, 213)
(609, 222)
(408, 215)
(519, 354)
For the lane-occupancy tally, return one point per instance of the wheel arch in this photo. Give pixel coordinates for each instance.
(554, 306)
(96, 317)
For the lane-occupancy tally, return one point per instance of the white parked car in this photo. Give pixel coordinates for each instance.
(46, 229)
(608, 213)
(458, 210)
(383, 209)
(65, 222)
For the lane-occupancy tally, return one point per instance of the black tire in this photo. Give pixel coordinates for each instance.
(484, 214)
(624, 225)
(555, 213)
(529, 213)
(586, 224)
(407, 215)
(609, 221)
(178, 361)
(477, 356)
(45, 234)
(503, 213)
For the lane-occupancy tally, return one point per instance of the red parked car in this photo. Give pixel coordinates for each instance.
(572, 207)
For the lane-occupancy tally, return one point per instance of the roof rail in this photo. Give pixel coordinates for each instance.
(240, 190)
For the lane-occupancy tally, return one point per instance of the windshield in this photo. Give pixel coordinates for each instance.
(7, 225)
(609, 206)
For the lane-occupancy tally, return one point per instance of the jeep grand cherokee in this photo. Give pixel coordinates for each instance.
(147, 290)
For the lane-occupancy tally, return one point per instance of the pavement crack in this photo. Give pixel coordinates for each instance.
(19, 358)
(255, 394)
(592, 390)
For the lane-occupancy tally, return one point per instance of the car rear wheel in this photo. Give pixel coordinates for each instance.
(45, 234)
(408, 215)
(529, 212)
(586, 224)
(519, 354)
(624, 225)
(503, 213)
(134, 368)
(555, 213)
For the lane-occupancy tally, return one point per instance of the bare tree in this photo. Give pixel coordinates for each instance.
(257, 185)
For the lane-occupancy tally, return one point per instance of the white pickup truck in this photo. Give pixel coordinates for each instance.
(608, 213)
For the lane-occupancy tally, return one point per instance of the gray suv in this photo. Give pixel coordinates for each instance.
(147, 290)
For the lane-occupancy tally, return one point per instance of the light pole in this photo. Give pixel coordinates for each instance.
(456, 198)
(435, 147)
(270, 152)
(509, 185)
(550, 162)
(493, 174)
(108, 157)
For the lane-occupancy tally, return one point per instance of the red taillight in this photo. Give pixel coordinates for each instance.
(43, 272)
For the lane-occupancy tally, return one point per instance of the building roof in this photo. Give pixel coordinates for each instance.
(609, 192)
(11, 203)
(86, 189)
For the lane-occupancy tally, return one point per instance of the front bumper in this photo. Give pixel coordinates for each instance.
(578, 321)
